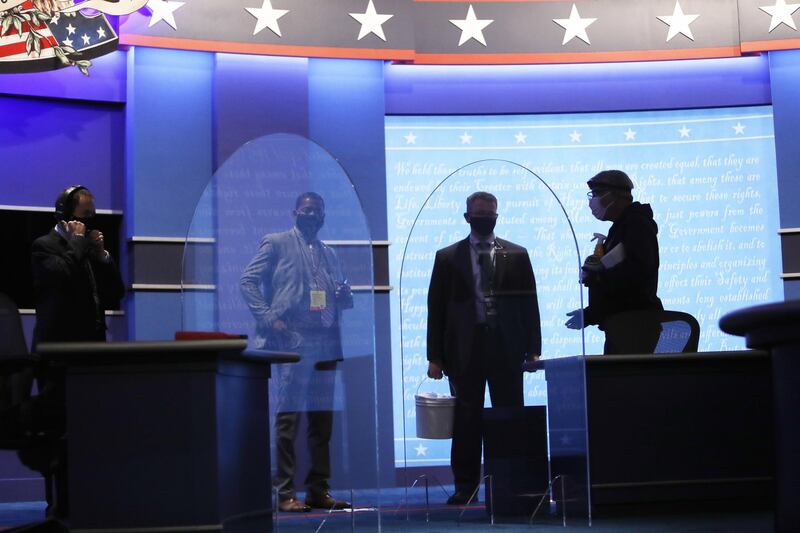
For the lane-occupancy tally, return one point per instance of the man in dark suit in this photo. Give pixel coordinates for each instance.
(74, 279)
(483, 323)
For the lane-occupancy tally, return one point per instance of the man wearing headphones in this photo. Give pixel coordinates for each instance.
(74, 277)
(74, 281)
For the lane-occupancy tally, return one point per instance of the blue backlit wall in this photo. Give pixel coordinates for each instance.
(709, 175)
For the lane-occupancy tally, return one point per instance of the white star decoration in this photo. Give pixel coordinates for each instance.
(410, 138)
(163, 10)
(69, 42)
(678, 22)
(738, 129)
(70, 29)
(466, 138)
(781, 13)
(521, 138)
(684, 131)
(86, 39)
(267, 17)
(371, 22)
(471, 27)
(421, 449)
(630, 135)
(575, 136)
(574, 26)
(101, 33)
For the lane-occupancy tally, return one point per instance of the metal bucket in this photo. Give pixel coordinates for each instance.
(434, 415)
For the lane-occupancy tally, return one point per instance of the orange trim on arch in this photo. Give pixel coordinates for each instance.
(577, 57)
(763, 46)
(265, 49)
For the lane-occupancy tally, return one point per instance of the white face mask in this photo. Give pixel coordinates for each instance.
(598, 209)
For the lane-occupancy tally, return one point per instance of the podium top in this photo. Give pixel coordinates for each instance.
(160, 351)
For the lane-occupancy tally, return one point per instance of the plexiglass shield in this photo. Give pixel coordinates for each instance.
(279, 250)
(514, 339)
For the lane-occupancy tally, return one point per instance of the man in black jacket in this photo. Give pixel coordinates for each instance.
(483, 323)
(626, 278)
(75, 279)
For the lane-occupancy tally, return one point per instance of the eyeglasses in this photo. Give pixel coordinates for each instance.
(595, 194)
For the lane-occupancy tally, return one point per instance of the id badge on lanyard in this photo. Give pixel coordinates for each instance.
(318, 300)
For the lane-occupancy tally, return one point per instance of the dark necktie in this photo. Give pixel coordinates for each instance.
(99, 316)
(485, 264)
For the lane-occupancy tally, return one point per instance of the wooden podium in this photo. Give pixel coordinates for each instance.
(167, 436)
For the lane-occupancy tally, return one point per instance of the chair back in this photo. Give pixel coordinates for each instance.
(680, 333)
(15, 386)
(12, 337)
(651, 331)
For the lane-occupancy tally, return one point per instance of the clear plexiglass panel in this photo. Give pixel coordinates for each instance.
(534, 425)
(279, 250)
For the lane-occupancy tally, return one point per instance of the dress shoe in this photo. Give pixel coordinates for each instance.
(326, 501)
(293, 505)
(461, 498)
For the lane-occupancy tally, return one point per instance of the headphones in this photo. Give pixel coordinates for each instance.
(64, 207)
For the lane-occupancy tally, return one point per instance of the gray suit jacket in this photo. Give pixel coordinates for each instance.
(277, 279)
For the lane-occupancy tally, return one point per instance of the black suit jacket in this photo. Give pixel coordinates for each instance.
(452, 314)
(65, 309)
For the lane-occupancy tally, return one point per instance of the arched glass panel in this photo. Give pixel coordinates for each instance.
(432, 311)
(279, 250)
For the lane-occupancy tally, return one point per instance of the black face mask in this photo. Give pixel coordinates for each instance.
(86, 221)
(309, 224)
(483, 226)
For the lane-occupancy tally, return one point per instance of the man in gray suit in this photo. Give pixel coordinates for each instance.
(483, 323)
(296, 291)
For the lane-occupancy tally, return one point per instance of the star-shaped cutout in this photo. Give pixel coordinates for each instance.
(68, 42)
(101, 33)
(574, 26)
(471, 27)
(781, 13)
(371, 22)
(70, 29)
(630, 135)
(678, 22)
(410, 138)
(466, 138)
(521, 138)
(575, 136)
(684, 131)
(163, 10)
(86, 39)
(421, 449)
(267, 17)
(738, 129)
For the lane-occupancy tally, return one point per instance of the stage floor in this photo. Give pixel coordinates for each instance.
(441, 518)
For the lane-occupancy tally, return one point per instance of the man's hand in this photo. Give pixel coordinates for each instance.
(574, 321)
(532, 358)
(97, 240)
(434, 370)
(74, 228)
(279, 326)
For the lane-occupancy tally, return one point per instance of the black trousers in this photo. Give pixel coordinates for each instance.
(320, 426)
(488, 363)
